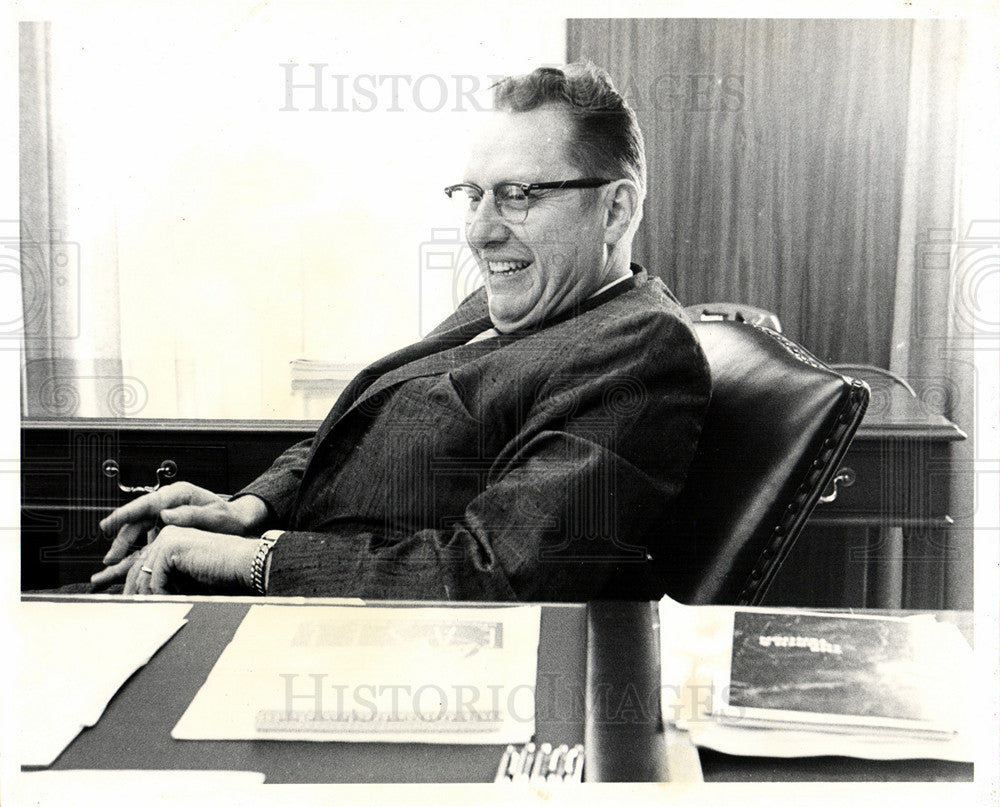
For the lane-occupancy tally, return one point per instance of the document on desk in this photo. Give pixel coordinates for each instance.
(198, 787)
(373, 674)
(73, 658)
(791, 683)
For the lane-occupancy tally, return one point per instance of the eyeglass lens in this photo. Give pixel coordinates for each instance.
(509, 198)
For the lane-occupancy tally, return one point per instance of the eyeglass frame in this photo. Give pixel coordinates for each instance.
(527, 188)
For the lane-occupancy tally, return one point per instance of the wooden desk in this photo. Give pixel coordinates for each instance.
(850, 555)
(134, 732)
(883, 541)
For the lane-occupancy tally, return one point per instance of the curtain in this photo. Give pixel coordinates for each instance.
(929, 336)
(817, 169)
(67, 368)
(974, 324)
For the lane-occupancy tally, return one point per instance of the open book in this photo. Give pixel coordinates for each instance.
(781, 682)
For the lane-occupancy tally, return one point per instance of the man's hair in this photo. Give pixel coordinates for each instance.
(607, 141)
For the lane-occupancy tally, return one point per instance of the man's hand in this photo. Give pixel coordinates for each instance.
(183, 505)
(182, 559)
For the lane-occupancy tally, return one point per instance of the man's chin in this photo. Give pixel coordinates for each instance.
(508, 321)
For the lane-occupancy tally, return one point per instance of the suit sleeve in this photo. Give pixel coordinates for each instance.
(278, 485)
(572, 504)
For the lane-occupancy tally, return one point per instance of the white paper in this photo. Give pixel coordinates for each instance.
(154, 788)
(430, 675)
(74, 656)
(695, 651)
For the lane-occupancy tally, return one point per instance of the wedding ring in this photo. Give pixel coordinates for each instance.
(145, 569)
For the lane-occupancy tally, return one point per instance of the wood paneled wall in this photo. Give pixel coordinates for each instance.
(775, 152)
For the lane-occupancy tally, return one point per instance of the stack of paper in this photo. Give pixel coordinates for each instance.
(780, 682)
(373, 674)
(74, 656)
(322, 376)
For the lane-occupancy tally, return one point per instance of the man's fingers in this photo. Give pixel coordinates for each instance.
(142, 579)
(148, 507)
(112, 574)
(145, 508)
(127, 536)
(158, 579)
(132, 578)
(215, 516)
(187, 515)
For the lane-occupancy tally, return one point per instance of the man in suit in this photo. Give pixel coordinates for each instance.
(528, 448)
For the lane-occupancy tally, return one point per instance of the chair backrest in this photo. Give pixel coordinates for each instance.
(737, 312)
(778, 424)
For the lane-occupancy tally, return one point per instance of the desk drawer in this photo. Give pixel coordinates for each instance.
(66, 467)
(903, 481)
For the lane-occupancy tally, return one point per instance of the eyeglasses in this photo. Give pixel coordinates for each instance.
(512, 199)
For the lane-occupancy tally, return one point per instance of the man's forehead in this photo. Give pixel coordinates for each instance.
(521, 145)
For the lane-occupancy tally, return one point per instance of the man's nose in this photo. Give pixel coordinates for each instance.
(486, 226)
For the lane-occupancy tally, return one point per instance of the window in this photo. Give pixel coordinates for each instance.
(235, 191)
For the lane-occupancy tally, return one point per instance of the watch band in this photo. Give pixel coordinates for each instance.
(264, 547)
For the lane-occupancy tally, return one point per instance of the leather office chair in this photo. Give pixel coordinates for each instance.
(777, 427)
(737, 312)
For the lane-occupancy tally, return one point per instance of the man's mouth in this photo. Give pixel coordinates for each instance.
(507, 267)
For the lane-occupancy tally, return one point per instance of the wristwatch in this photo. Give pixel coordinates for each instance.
(258, 577)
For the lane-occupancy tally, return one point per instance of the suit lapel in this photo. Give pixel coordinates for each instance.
(446, 347)
(431, 355)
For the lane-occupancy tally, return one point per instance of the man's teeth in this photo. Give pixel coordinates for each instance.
(507, 267)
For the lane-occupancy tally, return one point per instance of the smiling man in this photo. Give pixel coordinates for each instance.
(539, 266)
(528, 448)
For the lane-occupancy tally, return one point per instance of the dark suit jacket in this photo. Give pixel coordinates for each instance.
(538, 465)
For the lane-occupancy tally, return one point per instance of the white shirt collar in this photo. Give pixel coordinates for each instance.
(494, 332)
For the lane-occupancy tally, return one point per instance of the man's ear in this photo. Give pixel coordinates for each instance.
(622, 208)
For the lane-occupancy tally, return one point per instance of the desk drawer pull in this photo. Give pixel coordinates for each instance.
(167, 470)
(846, 477)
